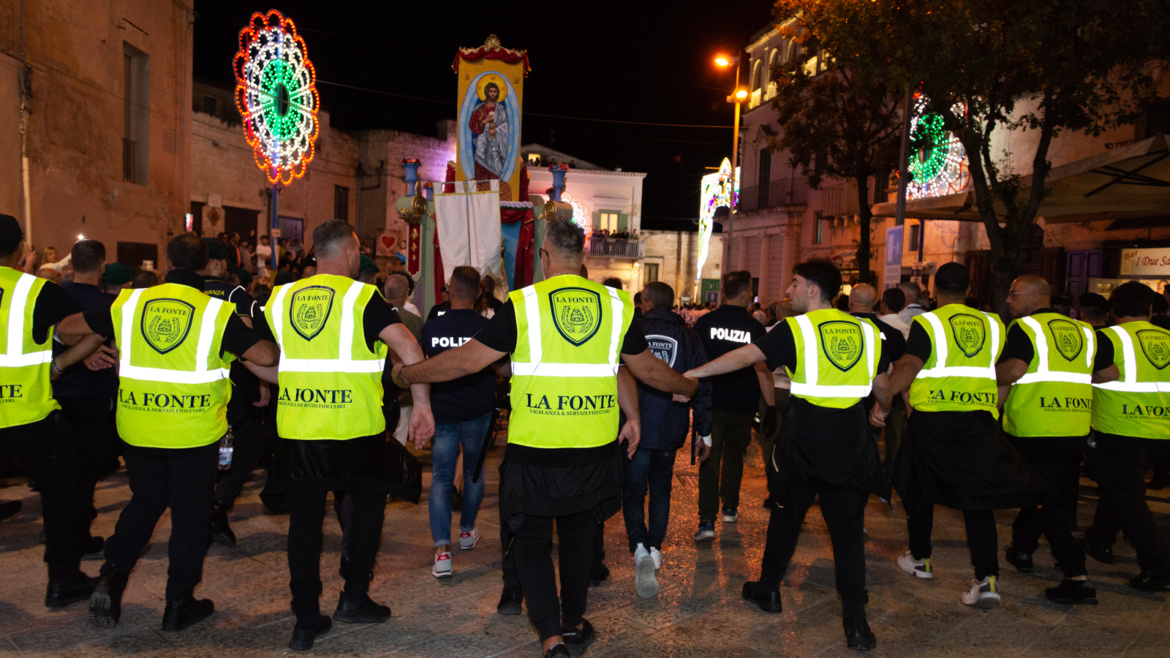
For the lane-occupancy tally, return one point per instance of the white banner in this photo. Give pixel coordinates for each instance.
(1145, 262)
(468, 224)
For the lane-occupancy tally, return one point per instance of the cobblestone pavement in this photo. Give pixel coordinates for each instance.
(697, 612)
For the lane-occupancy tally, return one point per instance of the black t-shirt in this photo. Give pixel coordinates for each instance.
(1104, 357)
(438, 309)
(918, 342)
(245, 305)
(1018, 345)
(779, 348)
(500, 333)
(470, 396)
(723, 330)
(237, 337)
(893, 343)
(52, 305)
(377, 315)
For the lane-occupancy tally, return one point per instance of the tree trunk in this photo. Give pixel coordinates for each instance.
(866, 216)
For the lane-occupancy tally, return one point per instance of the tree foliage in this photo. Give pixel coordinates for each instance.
(996, 65)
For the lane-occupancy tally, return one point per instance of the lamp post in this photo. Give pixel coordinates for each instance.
(737, 96)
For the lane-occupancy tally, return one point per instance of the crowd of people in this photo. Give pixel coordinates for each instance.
(197, 379)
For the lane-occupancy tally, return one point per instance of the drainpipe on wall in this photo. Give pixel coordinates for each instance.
(25, 110)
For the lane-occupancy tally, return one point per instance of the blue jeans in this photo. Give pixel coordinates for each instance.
(444, 453)
(653, 470)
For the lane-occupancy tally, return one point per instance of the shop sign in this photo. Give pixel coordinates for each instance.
(1137, 262)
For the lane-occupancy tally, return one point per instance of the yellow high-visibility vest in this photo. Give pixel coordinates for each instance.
(838, 358)
(1055, 395)
(1138, 403)
(960, 373)
(26, 396)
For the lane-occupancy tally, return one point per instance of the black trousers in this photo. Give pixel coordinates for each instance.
(49, 454)
(1061, 470)
(844, 512)
(982, 538)
(306, 514)
(181, 479)
(1120, 465)
(532, 555)
(248, 449)
(92, 421)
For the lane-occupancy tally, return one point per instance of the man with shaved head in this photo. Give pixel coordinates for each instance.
(1045, 389)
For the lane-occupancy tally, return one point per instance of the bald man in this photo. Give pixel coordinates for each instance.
(863, 299)
(1044, 376)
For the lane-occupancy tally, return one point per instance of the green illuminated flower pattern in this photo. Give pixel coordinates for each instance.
(937, 163)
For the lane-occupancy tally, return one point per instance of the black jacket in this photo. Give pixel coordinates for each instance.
(665, 423)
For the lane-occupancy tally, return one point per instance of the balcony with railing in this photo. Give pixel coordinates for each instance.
(604, 247)
(839, 200)
(782, 192)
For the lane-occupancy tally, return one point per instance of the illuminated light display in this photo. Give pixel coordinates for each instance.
(582, 214)
(715, 192)
(276, 95)
(938, 163)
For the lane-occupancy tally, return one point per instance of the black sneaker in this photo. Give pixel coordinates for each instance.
(221, 532)
(769, 601)
(857, 634)
(68, 591)
(1071, 592)
(1020, 560)
(92, 547)
(105, 606)
(579, 639)
(302, 638)
(510, 602)
(1102, 553)
(185, 612)
(1149, 581)
(363, 611)
(557, 650)
(599, 575)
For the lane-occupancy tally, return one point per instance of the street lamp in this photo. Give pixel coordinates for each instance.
(737, 96)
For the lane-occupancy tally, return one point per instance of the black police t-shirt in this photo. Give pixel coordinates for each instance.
(723, 330)
(468, 397)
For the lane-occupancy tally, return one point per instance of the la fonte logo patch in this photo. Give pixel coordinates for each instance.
(663, 347)
(576, 313)
(166, 323)
(1156, 346)
(970, 332)
(309, 309)
(841, 342)
(1068, 337)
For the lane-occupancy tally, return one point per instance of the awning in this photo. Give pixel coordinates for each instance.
(1128, 181)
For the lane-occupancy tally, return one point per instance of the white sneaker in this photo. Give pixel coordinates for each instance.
(916, 568)
(442, 568)
(657, 555)
(468, 540)
(645, 581)
(984, 594)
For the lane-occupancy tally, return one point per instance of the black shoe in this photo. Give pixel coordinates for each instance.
(599, 575)
(105, 606)
(857, 635)
(1099, 552)
(510, 601)
(221, 532)
(363, 611)
(186, 611)
(1071, 592)
(769, 601)
(1150, 581)
(769, 503)
(558, 649)
(579, 639)
(1020, 560)
(92, 547)
(302, 639)
(69, 590)
(10, 509)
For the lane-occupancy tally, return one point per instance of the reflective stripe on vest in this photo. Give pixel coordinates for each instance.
(14, 356)
(1043, 373)
(26, 394)
(345, 362)
(962, 380)
(202, 373)
(536, 368)
(810, 365)
(1130, 383)
(1054, 397)
(941, 350)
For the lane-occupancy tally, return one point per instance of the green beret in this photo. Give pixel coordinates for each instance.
(116, 274)
(368, 265)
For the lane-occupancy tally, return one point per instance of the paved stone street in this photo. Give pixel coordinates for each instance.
(698, 611)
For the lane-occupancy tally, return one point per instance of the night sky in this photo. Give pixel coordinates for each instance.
(388, 65)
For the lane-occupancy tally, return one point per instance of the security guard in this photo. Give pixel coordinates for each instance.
(1046, 367)
(1131, 421)
(174, 347)
(952, 453)
(824, 447)
(565, 335)
(244, 412)
(32, 428)
(333, 334)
